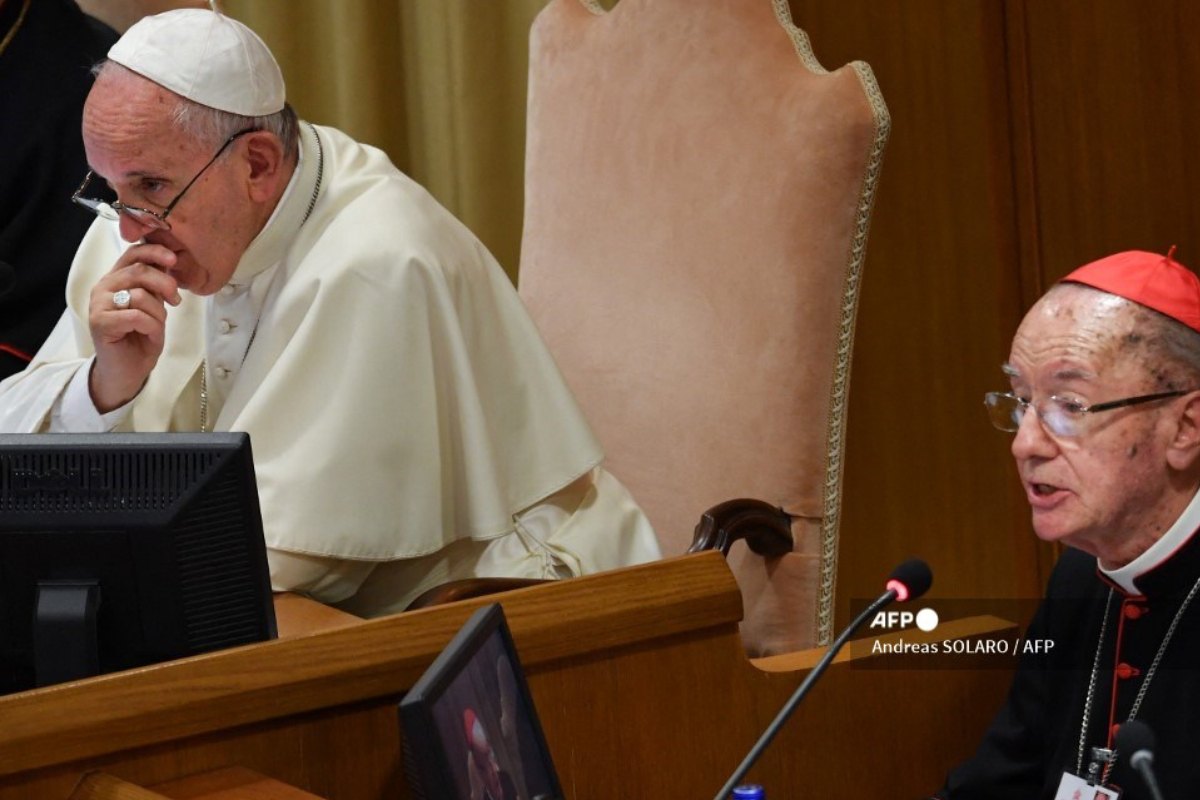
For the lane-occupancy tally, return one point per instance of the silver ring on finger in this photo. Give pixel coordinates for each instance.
(122, 298)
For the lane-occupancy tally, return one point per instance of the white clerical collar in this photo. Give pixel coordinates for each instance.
(1160, 551)
(290, 212)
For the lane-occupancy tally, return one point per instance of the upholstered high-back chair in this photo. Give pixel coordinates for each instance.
(698, 193)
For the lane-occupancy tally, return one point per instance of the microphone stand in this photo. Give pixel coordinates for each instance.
(1135, 743)
(1143, 765)
(794, 702)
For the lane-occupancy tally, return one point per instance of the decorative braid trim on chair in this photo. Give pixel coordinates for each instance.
(840, 389)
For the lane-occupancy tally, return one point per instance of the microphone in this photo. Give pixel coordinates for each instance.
(908, 581)
(1135, 742)
(8, 278)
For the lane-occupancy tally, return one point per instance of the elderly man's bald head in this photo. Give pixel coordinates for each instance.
(1167, 350)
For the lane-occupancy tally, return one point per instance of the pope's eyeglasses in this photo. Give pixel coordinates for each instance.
(1060, 416)
(112, 209)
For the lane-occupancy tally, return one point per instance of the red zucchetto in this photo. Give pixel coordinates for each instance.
(1155, 281)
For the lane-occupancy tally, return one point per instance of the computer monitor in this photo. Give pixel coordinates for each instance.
(469, 725)
(120, 550)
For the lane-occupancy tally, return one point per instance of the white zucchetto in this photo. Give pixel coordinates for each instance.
(206, 57)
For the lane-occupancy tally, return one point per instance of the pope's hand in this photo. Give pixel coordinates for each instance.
(129, 339)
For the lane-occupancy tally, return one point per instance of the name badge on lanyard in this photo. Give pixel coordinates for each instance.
(1072, 787)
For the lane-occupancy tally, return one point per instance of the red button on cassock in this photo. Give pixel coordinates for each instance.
(1124, 671)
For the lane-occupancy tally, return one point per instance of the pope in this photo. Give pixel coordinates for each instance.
(249, 271)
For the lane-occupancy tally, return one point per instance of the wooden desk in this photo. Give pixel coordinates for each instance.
(299, 616)
(638, 675)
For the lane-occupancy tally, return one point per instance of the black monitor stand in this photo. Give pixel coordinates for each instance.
(64, 632)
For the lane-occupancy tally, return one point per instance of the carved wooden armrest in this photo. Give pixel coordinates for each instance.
(766, 529)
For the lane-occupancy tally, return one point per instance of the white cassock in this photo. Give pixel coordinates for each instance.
(409, 426)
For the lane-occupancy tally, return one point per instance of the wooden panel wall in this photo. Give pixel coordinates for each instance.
(1028, 138)
(1113, 112)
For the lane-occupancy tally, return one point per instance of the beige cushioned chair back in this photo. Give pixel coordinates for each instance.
(698, 191)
